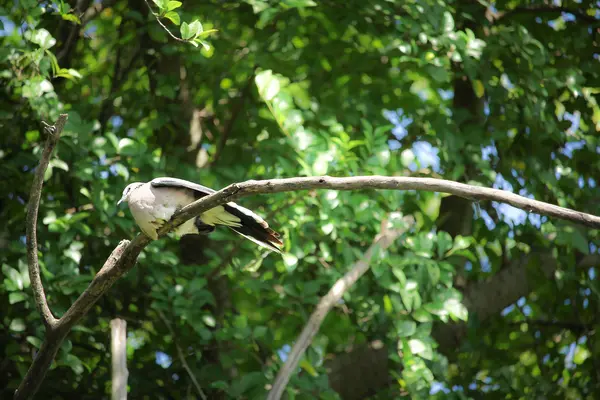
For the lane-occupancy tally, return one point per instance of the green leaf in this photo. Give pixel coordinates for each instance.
(16, 297)
(41, 37)
(460, 243)
(572, 236)
(308, 367)
(127, 146)
(581, 354)
(290, 261)
(195, 28)
(56, 163)
(17, 325)
(209, 320)
(161, 4)
(444, 243)
(172, 5)
(456, 309)
(260, 331)
(13, 276)
(434, 273)
(406, 328)
(204, 34)
(448, 24)
(185, 31)
(34, 341)
(72, 18)
(267, 84)
(173, 17)
(205, 45)
(74, 362)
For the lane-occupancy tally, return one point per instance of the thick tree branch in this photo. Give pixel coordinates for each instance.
(124, 256)
(382, 241)
(471, 192)
(33, 206)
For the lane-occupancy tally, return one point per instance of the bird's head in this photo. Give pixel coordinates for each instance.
(128, 190)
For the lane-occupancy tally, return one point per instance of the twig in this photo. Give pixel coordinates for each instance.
(33, 206)
(163, 25)
(118, 350)
(182, 356)
(382, 241)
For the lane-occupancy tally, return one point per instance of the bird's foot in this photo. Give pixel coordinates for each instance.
(156, 224)
(50, 129)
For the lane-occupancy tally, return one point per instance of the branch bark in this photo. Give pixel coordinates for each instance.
(33, 207)
(470, 192)
(124, 256)
(118, 350)
(381, 242)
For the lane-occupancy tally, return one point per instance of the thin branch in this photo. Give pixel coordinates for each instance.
(470, 192)
(163, 25)
(118, 352)
(182, 356)
(33, 206)
(382, 241)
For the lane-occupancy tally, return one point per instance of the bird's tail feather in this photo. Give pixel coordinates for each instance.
(254, 228)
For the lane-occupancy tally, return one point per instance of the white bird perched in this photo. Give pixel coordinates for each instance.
(152, 204)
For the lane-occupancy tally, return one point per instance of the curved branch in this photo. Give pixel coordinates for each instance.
(471, 192)
(33, 207)
(382, 241)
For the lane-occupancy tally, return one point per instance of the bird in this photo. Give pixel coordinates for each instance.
(153, 203)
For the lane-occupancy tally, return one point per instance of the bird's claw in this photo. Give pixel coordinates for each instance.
(50, 129)
(157, 224)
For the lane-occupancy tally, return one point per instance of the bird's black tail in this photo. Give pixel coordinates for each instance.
(254, 228)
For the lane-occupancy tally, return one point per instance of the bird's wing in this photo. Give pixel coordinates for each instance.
(239, 219)
(200, 190)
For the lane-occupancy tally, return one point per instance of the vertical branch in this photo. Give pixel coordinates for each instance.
(382, 241)
(118, 349)
(181, 356)
(33, 206)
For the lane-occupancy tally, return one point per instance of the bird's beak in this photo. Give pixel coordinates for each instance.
(120, 201)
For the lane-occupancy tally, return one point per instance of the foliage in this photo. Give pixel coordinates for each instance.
(501, 94)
